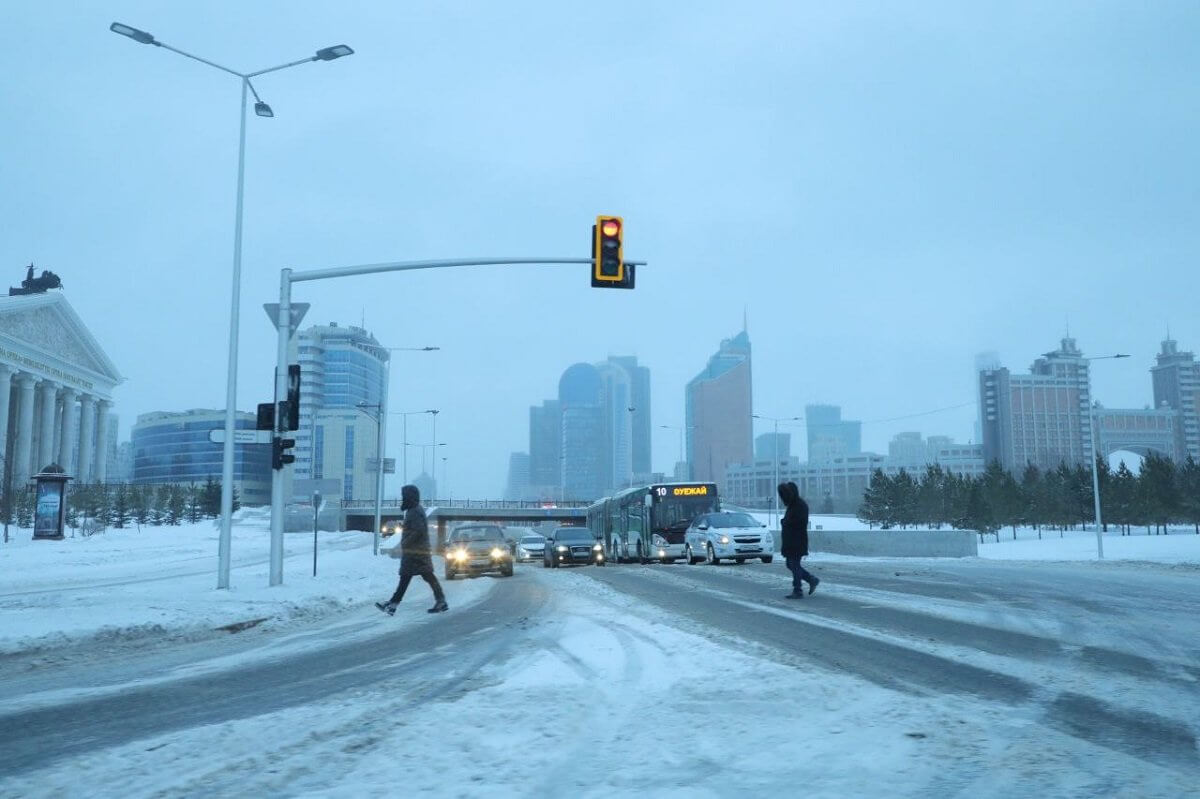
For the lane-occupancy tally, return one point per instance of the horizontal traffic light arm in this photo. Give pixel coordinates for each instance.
(403, 266)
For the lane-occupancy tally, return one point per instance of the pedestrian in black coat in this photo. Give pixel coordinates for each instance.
(416, 555)
(794, 527)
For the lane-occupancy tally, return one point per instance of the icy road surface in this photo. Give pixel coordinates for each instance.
(931, 679)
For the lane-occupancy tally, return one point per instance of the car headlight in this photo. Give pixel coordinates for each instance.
(562, 548)
(597, 548)
(496, 553)
(723, 539)
(460, 554)
(658, 540)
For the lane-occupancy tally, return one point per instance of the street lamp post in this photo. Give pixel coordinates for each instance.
(387, 391)
(433, 460)
(1096, 457)
(775, 493)
(404, 415)
(263, 110)
(380, 416)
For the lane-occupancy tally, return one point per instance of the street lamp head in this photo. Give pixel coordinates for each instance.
(133, 33)
(331, 53)
(263, 110)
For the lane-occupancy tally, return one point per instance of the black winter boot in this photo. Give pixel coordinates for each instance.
(439, 607)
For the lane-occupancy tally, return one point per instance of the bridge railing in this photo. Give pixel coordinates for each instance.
(502, 504)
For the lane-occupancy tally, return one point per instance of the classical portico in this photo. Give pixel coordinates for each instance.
(55, 390)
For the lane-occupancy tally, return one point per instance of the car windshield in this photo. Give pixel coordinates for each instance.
(730, 520)
(573, 534)
(532, 539)
(477, 534)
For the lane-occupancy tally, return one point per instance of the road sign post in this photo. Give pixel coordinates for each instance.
(316, 499)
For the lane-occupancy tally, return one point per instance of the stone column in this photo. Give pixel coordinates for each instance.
(46, 424)
(66, 436)
(24, 443)
(102, 409)
(6, 374)
(87, 436)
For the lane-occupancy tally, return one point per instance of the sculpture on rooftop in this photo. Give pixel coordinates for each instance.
(36, 285)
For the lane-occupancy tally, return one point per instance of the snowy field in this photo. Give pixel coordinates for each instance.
(124, 586)
(1182, 545)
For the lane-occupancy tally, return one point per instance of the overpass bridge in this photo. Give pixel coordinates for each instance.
(360, 514)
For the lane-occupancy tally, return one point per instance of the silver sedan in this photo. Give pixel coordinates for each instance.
(713, 537)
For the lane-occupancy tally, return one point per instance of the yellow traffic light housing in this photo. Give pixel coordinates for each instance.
(609, 269)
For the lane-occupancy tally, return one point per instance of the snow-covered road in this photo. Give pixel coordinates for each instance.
(939, 679)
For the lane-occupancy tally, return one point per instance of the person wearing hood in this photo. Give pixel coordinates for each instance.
(416, 556)
(794, 527)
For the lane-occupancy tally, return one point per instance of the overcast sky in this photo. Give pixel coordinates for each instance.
(885, 189)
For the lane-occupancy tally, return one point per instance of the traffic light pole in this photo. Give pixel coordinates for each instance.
(281, 390)
(286, 278)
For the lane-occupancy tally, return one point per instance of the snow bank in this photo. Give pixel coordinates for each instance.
(160, 582)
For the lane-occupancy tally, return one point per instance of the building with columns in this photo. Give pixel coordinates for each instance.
(57, 406)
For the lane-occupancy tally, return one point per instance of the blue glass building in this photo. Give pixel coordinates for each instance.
(175, 448)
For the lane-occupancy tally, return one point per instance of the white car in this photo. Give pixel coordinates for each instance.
(531, 547)
(713, 537)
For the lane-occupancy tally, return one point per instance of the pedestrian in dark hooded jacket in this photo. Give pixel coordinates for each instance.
(794, 527)
(416, 556)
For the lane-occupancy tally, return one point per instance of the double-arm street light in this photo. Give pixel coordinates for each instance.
(405, 414)
(379, 417)
(775, 488)
(262, 110)
(1096, 455)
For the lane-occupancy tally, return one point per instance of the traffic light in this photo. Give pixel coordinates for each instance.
(280, 456)
(609, 269)
(293, 397)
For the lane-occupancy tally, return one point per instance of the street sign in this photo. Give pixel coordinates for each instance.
(298, 311)
(217, 436)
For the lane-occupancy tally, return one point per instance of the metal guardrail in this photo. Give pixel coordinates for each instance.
(498, 504)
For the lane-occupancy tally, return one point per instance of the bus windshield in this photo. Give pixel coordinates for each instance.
(671, 511)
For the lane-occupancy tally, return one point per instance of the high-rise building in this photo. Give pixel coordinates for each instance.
(517, 486)
(343, 448)
(616, 398)
(545, 449)
(773, 445)
(1176, 380)
(176, 448)
(639, 381)
(829, 436)
(908, 449)
(1041, 418)
(584, 428)
(719, 403)
(340, 367)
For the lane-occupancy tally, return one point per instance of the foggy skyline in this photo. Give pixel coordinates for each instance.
(888, 193)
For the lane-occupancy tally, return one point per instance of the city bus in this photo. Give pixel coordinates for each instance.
(647, 523)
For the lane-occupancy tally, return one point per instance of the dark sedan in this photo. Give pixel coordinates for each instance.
(476, 550)
(572, 545)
